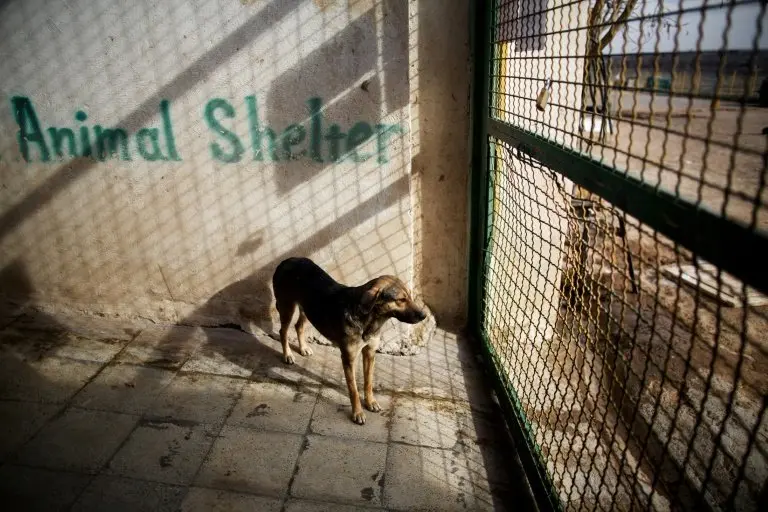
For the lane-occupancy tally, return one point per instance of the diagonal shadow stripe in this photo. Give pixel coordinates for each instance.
(197, 72)
(353, 218)
(258, 283)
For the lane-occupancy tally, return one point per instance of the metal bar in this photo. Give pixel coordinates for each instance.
(479, 182)
(543, 491)
(480, 228)
(705, 233)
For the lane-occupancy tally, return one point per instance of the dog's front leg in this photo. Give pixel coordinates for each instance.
(348, 359)
(369, 357)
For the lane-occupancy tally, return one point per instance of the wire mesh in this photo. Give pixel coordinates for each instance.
(637, 367)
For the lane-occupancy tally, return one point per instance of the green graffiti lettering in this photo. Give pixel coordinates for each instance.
(29, 128)
(58, 135)
(168, 131)
(154, 137)
(293, 135)
(85, 141)
(315, 130)
(254, 127)
(358, 135)
(310, 138)
(383, 131)
(213, 123)
(334, 138)
(108, 139)
(85, 138)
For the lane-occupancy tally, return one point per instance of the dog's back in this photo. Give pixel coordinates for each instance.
(297, 278)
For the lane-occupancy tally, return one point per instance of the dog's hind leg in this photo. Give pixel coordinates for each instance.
(286, 310)
(369, 355)
(348, 359)
(300, 324)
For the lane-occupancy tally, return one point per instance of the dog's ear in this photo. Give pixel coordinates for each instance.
(369, 297)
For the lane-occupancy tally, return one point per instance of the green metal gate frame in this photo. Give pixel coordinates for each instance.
(704, 232)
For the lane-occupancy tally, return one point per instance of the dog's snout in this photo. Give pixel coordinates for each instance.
(416, 314)
(412, 314)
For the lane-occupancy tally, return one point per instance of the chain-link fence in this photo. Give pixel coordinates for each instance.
(624, 220)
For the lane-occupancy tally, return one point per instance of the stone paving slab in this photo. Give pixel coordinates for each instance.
(50, 380)
(29, 345)
(168, 452)
(433, 479)
(322, 369)
(78, 440)
(274, 406)
(212, 500)
(446, 368)
(87, 349)
(124, 388)
(230, 352)
(288, 374)
(422, 422)
(178, 418)
(197, 397)
(38, 489)
(294, 505)
(357, 477)
(116, 494)
(163, 346)
(19, 421)
(333, 416)
(242, 460)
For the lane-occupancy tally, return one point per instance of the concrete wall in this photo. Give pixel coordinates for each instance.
(242, 132)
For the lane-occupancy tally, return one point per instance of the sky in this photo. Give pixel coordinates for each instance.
(710, 23)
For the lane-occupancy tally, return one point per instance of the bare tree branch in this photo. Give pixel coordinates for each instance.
(619, 22)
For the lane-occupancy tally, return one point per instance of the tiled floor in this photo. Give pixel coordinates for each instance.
(96, 416)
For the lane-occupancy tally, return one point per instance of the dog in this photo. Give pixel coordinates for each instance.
(349, 316)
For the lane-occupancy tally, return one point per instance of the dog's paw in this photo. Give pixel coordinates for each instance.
(288, 359)
(372, 405)
(358, 417)
(306, 351)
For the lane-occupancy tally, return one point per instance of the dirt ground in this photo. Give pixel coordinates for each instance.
(685, 376)
(712, 158)
(650, 394)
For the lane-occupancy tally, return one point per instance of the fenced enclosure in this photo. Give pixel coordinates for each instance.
(621, 232)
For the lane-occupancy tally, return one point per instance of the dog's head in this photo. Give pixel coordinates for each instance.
(388, 297)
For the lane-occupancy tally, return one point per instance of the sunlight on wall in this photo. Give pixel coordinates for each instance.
(251, 131)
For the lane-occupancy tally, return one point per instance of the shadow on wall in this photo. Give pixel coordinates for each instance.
(345, 109)
(17, 291)
(243, 301)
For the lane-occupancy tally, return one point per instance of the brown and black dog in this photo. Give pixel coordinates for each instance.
(349, 316)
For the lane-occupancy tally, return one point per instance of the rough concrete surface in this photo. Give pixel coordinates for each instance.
(128, 435)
